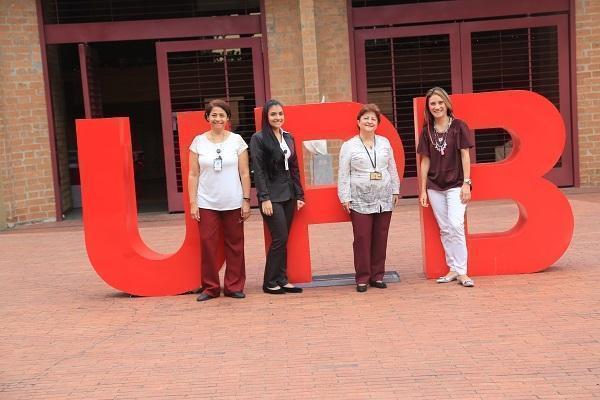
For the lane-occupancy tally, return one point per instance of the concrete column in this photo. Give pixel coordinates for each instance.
(3, 224)
(284, 42)
(333, 50)
(309, 50)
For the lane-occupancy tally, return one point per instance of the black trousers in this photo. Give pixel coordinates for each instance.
(279, 226)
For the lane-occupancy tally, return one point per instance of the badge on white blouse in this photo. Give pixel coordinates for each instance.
(375, 176)
(218, 162)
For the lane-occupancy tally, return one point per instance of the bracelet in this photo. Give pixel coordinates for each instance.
(247, 198)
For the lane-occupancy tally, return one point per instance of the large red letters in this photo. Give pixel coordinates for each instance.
(545, 226)
(119, 256)
(114, 246)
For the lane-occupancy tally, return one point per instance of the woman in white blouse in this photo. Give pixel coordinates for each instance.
(219, 189)
(368, 188)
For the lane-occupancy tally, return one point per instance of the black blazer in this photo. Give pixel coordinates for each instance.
(271, 179)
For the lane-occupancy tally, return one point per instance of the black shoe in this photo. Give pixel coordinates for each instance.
(236, 295)
(361, 288)
(377, 284)
(292, 289)
(273, 290)
(204, 297)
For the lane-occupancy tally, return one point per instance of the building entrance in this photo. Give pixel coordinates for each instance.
(148, 62)
(396, 64)
(192, 73)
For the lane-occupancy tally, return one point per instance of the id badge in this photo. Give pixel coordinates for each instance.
(375, 176)
(218, 164)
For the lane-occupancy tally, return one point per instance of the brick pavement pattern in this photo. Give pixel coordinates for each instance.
(67, 335)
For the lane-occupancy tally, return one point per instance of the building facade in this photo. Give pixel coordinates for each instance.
(149, 60)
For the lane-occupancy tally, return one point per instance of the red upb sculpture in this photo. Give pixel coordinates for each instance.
(120, 257)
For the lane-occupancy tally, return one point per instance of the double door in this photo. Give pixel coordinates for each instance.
(192, 73)
(394, 65)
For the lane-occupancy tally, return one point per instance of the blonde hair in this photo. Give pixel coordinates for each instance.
(445, 98)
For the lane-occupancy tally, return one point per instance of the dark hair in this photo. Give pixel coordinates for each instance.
(217, 103)
(266, 126)
(271, 153)
(371, 107)
(267, 129)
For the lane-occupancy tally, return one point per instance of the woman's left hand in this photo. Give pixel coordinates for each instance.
(465, 193)
(299, 204)
(396, 200)
(245, 210)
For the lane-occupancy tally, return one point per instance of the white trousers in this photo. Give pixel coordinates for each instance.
(449, 212)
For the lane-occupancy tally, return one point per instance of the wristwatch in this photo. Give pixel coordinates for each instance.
(468, 181)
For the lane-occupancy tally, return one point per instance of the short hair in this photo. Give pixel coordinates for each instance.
(217, 103)
(371, 107)
(445, 98)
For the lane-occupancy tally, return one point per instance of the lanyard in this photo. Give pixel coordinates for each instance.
(373, 163)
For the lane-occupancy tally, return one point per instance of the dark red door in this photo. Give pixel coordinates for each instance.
(394, 65)
(527, 54)
(192, 73)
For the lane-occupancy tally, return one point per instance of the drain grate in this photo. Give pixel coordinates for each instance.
(344, 280)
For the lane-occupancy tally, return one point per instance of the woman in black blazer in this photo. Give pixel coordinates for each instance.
(277, 181)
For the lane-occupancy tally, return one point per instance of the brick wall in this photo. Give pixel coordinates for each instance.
(285, 50)
(587, 15)
(335, 79)
(2, 208)
(309, 55)
(25, 163)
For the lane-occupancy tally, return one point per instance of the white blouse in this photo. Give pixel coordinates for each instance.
(219, 190)
(367, 196)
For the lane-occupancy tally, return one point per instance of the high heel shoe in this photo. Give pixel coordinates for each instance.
(269, 290)
(292, 289)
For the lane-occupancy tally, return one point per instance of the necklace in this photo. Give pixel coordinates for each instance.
(439, 138)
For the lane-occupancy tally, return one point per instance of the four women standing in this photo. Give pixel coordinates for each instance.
(368, 187)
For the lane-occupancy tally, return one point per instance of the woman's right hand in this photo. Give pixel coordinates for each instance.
(267, 207)
(346, 207)
(195, 211)
(423, 199)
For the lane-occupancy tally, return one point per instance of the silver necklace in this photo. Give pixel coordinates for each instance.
(439, 137)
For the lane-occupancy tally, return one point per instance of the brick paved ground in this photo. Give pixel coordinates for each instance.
(66, 335)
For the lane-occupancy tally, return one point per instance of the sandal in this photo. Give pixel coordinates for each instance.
(466, 282)
(447, 278)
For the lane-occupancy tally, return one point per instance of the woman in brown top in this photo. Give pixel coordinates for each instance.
(445, 179)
